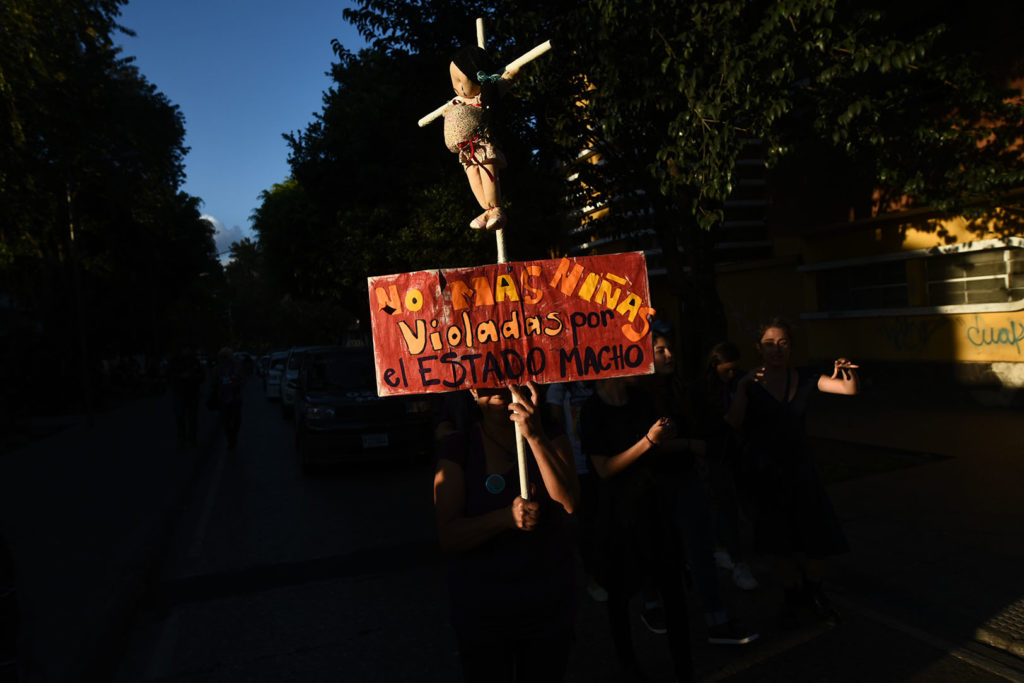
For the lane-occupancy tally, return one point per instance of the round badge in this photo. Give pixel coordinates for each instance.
(495, 483)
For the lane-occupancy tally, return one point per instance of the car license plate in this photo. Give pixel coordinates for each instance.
(375, 440)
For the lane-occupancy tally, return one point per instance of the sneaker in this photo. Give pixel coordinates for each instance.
(653, 617)
(597, 592)
(742, 577)
(823, 610)
(723, 560)
(730, 634)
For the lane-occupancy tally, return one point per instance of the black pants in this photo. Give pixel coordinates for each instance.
(231, 419)
(646, 548)
(514, 660)
(186, 413)
(588, 529)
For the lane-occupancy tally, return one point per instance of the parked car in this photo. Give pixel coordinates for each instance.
(339, 416)
(290, 378)
(272, 378)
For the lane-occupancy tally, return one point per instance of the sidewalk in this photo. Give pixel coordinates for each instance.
(931, 501)
(85, 511)
(939, 541)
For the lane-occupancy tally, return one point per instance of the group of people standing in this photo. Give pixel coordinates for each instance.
(654, 476)
(186, 376)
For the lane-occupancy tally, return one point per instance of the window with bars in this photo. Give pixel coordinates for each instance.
(982, 277)
(870, 286)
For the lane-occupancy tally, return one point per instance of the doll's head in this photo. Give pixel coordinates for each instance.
(466, 66)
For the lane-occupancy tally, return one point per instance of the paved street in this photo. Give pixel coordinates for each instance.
(139, 562)
(273, 575)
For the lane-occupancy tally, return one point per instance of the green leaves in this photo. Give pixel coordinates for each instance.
(89, 147)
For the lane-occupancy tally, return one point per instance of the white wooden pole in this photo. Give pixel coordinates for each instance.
(499, 238)
(529, 56)
(517, 63)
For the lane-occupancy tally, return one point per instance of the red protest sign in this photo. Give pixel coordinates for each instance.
(488, 326)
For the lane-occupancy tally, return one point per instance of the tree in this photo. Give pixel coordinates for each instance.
(669, 94)
(390, 199)
(96, 238)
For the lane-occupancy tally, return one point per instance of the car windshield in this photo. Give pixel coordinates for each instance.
(295, 360)
(341, 372)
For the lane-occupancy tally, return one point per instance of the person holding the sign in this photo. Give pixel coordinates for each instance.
(511, 569)
(624, 446)
(794, 521)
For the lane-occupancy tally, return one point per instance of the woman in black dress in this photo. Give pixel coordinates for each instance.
(794, 518)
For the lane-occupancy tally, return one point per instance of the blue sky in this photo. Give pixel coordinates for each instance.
(243, 72)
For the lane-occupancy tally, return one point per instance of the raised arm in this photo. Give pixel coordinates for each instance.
(610, 465)
(554, 456)
(844, 379)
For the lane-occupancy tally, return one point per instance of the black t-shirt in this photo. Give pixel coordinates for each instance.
(637, 505)
(649, 485)
(516, 583)
(607, 430)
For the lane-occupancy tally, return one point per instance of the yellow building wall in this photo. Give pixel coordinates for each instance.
(967, 338)
(753, 296)
(873, 238)
(756, 294)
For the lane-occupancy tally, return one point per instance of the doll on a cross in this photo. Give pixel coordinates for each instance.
(468, 130)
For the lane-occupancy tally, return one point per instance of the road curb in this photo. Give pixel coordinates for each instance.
(1005, 631)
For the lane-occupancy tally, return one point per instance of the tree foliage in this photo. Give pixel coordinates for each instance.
(681, 86)
(96, 238)
(842, 98)
(371, 193)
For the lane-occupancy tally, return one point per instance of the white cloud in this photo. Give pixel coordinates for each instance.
(223, 236)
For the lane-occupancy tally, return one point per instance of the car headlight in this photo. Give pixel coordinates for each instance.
(417, 406)
(319, 413)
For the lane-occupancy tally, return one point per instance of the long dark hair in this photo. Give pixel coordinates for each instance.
(722, 352)
(472, 60)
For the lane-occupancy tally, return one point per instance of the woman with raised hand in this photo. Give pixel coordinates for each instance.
(794, 518)
(628, 445)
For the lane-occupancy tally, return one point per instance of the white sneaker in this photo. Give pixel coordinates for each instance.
(742, 577)
(722, 560)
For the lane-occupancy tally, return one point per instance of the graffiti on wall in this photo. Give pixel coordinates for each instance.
(981, 334)
(910, 335)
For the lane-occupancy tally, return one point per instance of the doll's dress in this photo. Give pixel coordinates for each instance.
(463, 134)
